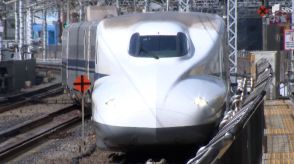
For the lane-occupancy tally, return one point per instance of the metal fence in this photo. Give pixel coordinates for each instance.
(240, 138)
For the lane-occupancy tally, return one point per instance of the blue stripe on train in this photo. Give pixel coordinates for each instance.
(99, 75)
(78, 63)
(96, 75)
(79, 69)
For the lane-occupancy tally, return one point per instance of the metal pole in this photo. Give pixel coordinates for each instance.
(67, 13)
(60, 14)
(167, 5)
(146, 5)
(135, 7)
(29, 31)
(1, 35)
(44, 34)
(117, 4)
(89, 51)
(81, 12)
(21, 31)
(83, 122)
(16, 24)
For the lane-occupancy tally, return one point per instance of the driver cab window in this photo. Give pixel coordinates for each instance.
(158, 46)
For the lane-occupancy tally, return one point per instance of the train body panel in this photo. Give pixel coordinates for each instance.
(159, 72)
(123, 138)
(78, 52)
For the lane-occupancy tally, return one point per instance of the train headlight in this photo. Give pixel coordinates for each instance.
(110, 103)
(199, 101)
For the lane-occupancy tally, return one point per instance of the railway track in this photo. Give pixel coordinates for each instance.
(23, 136)
(148, 155)
(17, 100)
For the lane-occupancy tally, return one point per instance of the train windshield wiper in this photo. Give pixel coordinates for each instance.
(146, 53)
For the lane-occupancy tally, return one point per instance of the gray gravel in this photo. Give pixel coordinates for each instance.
(18, 115)
(64, 147)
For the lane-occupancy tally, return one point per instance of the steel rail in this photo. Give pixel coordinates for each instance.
(22, 98)
(22, 136)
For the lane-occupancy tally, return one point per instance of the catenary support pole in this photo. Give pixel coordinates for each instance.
(16, 20)
(44, 34)
(232, 33)
(29, 30)
(67, 13)
(21, 31)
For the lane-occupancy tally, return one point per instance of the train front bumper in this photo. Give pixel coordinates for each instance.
(124, 138)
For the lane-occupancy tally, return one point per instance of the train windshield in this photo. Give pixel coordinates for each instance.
(158, 46)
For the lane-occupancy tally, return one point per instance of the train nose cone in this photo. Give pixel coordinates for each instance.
(123, 118)
(193, 101)
(121, 104)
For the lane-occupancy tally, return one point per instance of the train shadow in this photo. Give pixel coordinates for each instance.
(164, 154)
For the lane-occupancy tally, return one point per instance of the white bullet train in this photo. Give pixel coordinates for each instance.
(160, 78)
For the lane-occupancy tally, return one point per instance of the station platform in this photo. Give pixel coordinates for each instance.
(279, 132)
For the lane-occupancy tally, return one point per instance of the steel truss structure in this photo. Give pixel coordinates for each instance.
(232, 37)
